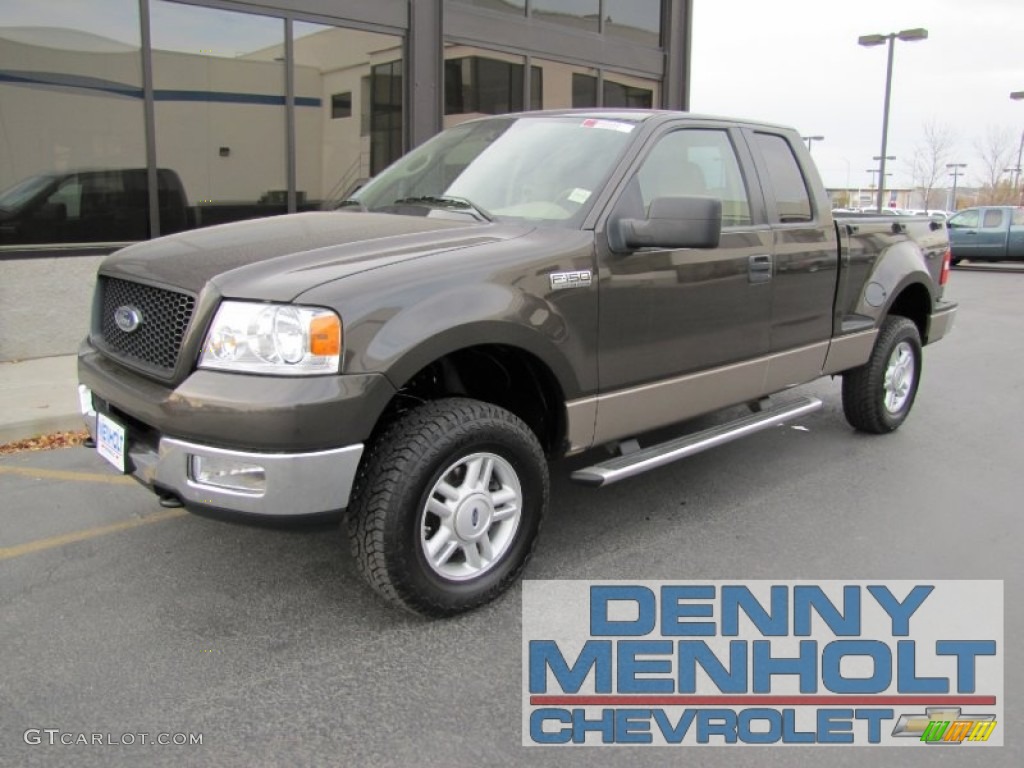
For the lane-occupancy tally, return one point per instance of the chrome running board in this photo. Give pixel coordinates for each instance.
(637, 462)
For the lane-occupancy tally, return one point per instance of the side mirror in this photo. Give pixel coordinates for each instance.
(672, 222)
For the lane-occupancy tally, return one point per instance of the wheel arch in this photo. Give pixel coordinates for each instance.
(913, 300)
(505, 373)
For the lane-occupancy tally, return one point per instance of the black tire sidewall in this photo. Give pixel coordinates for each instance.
(415, 581)
(908, 333)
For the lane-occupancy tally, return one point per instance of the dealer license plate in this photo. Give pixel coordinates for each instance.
(110, 440)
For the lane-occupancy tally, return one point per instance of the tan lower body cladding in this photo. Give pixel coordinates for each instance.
(628, 412)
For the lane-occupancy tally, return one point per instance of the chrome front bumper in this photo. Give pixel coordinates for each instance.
(294, 484)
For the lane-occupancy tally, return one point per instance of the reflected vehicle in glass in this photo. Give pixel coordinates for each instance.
(112, 206)
(89, 206)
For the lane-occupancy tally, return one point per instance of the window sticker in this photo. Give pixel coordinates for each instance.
(608, 125)
(579, 195)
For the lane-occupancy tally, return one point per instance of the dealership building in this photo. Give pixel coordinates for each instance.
(121, 120)
(185, 114)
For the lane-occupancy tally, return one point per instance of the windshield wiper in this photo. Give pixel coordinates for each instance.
(352, 201)
(447, 201)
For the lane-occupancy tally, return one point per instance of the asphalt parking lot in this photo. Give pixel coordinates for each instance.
(117, 616)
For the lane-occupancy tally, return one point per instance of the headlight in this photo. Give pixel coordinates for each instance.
(273, 338)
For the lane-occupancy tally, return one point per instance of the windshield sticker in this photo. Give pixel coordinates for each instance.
(608, 125)
(579, 195)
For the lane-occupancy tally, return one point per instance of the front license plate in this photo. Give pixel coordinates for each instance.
(110, 440)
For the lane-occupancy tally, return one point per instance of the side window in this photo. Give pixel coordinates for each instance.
(965, 220)
(1018, 217)
(68, 195)
(785, 178)
(696, 162)
(993, 219)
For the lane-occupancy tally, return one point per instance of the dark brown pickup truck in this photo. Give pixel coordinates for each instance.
(518, 289)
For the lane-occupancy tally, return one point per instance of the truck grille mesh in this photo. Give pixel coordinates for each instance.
(165, 318)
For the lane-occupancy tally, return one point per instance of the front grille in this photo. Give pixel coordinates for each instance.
(155, 344)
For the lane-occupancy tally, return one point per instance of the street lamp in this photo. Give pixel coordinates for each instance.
(877, 158)
(907, 35)
(873, 171)
(955, 173)
(1018, 96)
(811, 139)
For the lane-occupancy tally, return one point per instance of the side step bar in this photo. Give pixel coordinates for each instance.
(637, 462)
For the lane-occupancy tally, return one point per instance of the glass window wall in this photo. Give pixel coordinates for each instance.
(578, 14)
(218, 88)
(334, 156)
(635, 21)
(72, 137)
(479, 82)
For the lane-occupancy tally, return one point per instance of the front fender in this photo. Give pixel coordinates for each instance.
(400, 318)
(469, 316)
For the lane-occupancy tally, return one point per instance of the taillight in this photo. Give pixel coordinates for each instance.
(946, 260)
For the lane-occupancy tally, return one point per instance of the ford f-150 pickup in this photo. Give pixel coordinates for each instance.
(515, 290)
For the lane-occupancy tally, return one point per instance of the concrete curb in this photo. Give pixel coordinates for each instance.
(45, 425)
(38, 397)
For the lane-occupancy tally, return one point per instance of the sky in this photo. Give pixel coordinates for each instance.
(797, 62)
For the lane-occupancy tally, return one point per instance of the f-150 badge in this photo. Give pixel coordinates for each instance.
(562, 280)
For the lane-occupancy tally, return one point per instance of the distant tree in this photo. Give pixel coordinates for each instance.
(996, 152)
(928, 164)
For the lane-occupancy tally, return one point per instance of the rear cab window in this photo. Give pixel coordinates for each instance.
(785, 179)
(993, 219)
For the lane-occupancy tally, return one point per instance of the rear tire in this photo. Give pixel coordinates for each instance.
(878, 396)
(447, 506)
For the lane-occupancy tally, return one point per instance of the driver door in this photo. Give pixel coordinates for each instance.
(677, 325)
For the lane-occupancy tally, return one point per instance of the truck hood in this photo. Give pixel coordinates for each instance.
(276, 259)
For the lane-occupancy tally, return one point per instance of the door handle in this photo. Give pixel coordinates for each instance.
(759, 268)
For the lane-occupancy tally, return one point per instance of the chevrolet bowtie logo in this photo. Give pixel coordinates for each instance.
(945, 725)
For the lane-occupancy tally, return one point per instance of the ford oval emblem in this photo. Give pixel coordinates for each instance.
(127, 318)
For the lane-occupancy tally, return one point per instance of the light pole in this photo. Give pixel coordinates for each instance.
(907, 35)
(881, 171)
(874, 177)
(955, 173)
(811, 139)
(1018, 96)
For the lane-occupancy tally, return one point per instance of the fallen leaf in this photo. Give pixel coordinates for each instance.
(45, 442)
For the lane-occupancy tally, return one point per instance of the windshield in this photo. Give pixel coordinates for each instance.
(14, 197)
(540, 169)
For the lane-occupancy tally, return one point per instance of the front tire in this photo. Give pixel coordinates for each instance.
(447, 506)
(878, 396)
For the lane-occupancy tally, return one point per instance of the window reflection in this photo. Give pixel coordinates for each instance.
(218, 79)
(637, 21)
(507, 6)
(478, 82)
(357, 127)
(580, 14)
(557, 83)
(615, 94)
(71, 96)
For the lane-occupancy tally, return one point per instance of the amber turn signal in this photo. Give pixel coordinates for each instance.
(325, 336)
